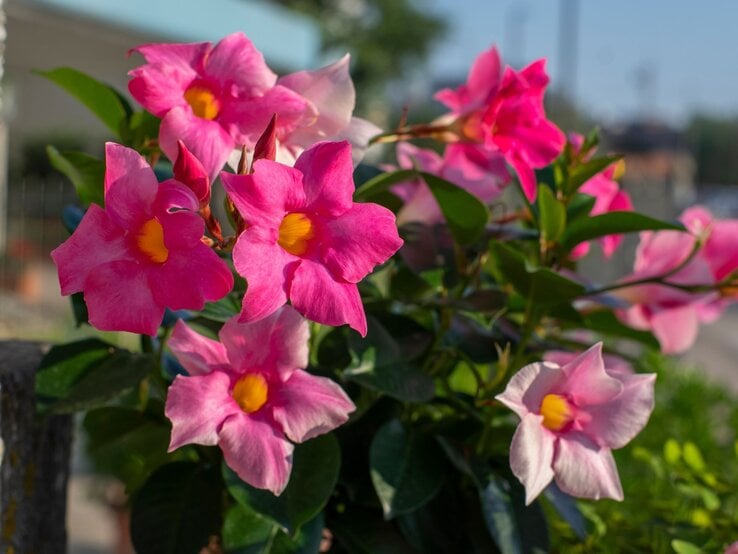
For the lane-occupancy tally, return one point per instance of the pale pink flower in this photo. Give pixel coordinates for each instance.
(213, 98)
(305, 240)
(616, 366)
(731, 548)
(465, 165)
(572, 416)
(142, 253)
(248, 395)
(609, 197)
(503, 110)
(720, 249)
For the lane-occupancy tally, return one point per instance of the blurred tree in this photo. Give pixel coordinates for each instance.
(714, 143)
(386, 38)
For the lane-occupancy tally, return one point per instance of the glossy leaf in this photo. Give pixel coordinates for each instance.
(86, 173)
(464, 213)
(551, 214)
(314, 474)
(177, 510)
(567, 508)
(246, 531)
(102, 100)
(382, 182)
(586, 171)
(588, 228)
(406, 468)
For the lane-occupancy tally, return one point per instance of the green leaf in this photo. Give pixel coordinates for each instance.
(222, 310)
(86, 374)
(382, 183)
(551, 214)
(499, 515)
(363, 531)
(541, 285)
(605, 322)
(126, 443)
(86, 173)
(102, 100)
(568, 510)
(143, 128)
(177, 510)
(612, 223)
(465, 215)
(683, 547)
(245, 530)
(314, 475)
(379, 363)
(579, 206)
(406, 468)
(585, 172)
(672, 452)
(693, 457)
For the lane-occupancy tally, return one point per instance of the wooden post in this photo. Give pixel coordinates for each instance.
(35, 461)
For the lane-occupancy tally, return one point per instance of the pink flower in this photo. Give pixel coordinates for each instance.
(616, 366)
(142, 252)
(331, 98)
(609, 197)
(504, 112)
(719, 235)
(674, 315)
(306, 240)
(465, 165)
(213, 98)
(248, 395)
(731, 548)
(572, 416)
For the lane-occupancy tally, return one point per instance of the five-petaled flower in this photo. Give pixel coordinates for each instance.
(503, 110)
(142, 253)
(248, 395)
(305, 239)
(571, 418)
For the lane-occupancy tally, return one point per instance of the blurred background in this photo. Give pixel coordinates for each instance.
(659, 78)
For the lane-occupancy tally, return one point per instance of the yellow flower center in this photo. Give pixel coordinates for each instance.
(250, 392)
(203, 102)
(150, 241)
(471, 128)
(295, 233)
(556, 411)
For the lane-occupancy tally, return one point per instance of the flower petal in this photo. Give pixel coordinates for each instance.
(268, 270)
(616, 422)
(358, 240)
(130, 186)
(197, 407)
(526, 389)
(197, 353)
(257, 452)
(319, 296)
(118, 298)
(278, 341)
(587, 382)
(236, 60)
(586, 470)
(531, 455)
(676, 328)
(307, 406)
(328, 171)
(96, 241)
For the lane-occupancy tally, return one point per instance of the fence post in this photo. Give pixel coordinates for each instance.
(35, 459)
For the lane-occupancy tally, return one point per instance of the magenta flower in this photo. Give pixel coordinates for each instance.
(465, 165)
(609, 197)
(142, 252)
(504, 112)
(213, 98)
(719, 236)
(248, 395)
(572, 416)
(331, 98)
(306, 240)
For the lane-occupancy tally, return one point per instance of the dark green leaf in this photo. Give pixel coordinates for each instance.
(365, 172)
(86, 374)
(579, 206)
(102, 100)
(567, 508)
(314, 475)
(177, 510)
(406, 468)
(79, 308)
(465, 215)
(383, 182)
(86, 173)
(551, 214)
(585, 172)
(588, 228)
(379, 363)
(126, 443)
(361, 531)
(246, 531)
(222, 310)
(144, 128)
(499, 514)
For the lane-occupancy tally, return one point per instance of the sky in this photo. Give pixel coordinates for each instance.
(666, 59)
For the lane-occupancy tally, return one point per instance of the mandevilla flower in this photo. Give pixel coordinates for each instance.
(248, 395)
(609, 197)
(465, 165)
(572, 416)
(213, 98)
(142, 253)
(504, 112)
(305, 239)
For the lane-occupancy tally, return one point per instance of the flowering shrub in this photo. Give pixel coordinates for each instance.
(365, 391)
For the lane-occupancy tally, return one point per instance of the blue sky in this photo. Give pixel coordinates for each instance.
(686, 51)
